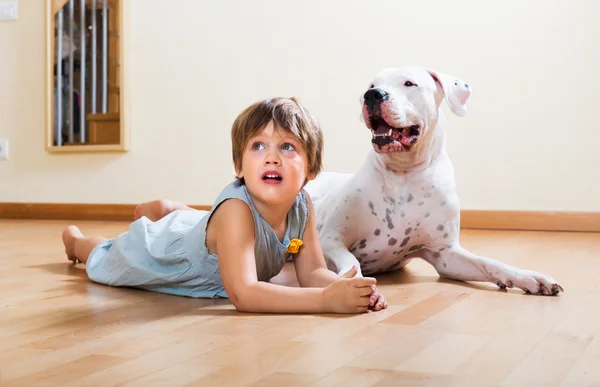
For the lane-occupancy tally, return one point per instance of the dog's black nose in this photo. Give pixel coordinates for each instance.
(375, 96)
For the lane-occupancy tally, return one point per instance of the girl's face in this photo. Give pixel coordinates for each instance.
(274, 166)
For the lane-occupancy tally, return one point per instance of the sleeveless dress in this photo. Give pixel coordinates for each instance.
(170, 255)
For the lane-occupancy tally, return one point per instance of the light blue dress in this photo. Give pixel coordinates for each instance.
(170, 255)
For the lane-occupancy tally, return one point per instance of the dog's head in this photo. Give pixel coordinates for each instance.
(401, 105)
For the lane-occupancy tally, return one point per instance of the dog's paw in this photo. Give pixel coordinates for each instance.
(531, 282)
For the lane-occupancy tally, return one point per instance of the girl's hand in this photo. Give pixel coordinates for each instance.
(348, 294)
(377, 301)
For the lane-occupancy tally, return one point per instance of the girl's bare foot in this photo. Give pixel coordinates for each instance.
(69, 236)
(154, 210)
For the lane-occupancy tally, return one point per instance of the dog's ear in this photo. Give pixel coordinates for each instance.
(454, 90)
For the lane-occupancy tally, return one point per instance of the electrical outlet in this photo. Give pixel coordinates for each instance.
(3, 149)
(8, 10)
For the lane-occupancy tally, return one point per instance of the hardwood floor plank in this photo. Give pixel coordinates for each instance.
(67, 372)
(550, 361)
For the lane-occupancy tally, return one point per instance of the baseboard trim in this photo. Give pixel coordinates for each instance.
(470, 219)
(72, 211)
(531, 220)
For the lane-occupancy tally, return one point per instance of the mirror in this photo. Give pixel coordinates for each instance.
(85, 109)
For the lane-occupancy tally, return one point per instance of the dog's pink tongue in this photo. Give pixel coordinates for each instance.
(408, 140)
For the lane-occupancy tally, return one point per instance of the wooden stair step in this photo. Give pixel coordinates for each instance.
(105, 128)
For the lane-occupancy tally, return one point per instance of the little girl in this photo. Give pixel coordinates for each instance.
(256, 223)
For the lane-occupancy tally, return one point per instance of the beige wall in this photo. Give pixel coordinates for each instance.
(530, 140)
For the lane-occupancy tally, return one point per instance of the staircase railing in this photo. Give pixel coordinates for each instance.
(78, 25)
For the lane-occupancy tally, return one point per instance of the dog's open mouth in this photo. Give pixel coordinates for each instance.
(387, 138)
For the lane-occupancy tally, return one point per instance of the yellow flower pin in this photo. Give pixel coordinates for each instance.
(294, 246)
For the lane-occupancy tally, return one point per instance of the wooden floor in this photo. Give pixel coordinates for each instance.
(59, 329)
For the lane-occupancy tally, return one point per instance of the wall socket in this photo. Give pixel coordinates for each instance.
(3, 149)
(8, 10)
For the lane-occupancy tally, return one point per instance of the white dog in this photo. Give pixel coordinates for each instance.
(403, 203)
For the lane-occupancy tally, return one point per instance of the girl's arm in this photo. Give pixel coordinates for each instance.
(309, 262)
(311, 269)
(235, 249)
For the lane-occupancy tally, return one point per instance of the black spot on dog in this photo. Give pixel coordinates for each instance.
(392, 241)
(440, 227)
(377, 232)
(407, 231)
(362, 244)
(421, 203)
(346, 218)
(372, 207)
(385, 199)
(416, 247)
(445, 264)
(436, 255)
(443, 203)
(369, 262)
(427, 215)
(394, 266)
(427, 195)
(403, 214)
(446, 235)
(442, 249)
(364, 255)
(358, 190)
(409, 198)
(401, 200)
(337, 239)
(418, 223)
(392, 200)
(405, 241)
(375, 251)
(389, 221)
(320, 227)
(388, 235)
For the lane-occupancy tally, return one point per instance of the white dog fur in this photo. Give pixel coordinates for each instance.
(402, 203)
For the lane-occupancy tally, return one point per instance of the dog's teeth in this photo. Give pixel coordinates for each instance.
(390, 132)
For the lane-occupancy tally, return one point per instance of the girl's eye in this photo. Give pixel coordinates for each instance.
(287, 146)
(409, 84)
(257, 146)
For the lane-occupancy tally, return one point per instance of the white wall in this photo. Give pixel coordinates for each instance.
(529, 141)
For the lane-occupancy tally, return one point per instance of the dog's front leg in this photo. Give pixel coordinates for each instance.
(459, 264)
(340, 260)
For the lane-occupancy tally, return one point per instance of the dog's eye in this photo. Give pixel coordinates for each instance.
(409, 84)
(372, 86)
